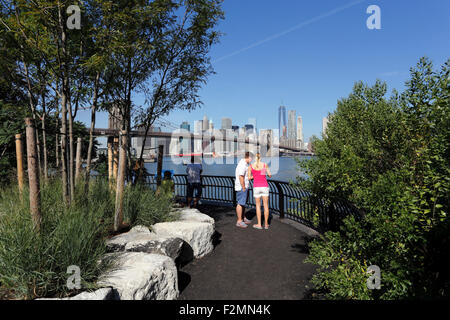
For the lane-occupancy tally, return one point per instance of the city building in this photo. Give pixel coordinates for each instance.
(186, 126)
(282, 125)
(205, 123)
(300, 132)
(249, 128)
(226, 123)
(235, 128)
(292, 127)
(198, 126)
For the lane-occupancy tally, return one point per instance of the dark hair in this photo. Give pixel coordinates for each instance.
(248, 154)
(167, 174)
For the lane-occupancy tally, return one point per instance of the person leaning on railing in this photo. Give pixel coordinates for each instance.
(194, 170)
(167, 185)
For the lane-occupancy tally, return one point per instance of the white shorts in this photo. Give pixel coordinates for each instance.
(261, 191)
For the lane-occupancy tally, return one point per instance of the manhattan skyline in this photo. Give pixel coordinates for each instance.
(292, 53)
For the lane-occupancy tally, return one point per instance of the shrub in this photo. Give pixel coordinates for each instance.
(390, 157)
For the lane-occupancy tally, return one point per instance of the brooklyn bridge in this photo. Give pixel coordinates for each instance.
(183, 142)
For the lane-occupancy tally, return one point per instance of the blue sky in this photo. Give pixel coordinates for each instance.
(308, 54)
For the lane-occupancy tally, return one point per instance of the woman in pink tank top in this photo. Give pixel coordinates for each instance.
(258, 172)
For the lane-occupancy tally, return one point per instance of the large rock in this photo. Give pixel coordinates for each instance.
(197, 234)
(100, 294)
(140, 239)
(187, 214)
(142, 276)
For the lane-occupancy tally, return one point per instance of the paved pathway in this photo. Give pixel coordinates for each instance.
(249, 264)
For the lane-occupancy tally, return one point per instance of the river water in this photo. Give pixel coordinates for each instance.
(282, 168)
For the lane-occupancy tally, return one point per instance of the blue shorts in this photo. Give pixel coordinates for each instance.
(241, 197)
(190, 190)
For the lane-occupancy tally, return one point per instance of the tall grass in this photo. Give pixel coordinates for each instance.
(143, 207)
(35, 264)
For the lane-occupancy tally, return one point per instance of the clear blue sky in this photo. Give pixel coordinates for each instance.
(308, 54)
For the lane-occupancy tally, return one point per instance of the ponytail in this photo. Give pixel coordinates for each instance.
(258, 159)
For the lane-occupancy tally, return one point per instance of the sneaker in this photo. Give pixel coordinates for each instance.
(241, 224)
(246, 221)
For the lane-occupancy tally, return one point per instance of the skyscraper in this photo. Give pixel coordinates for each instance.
(300, 132)
(186, 126)
(205, 123)
(292, 126)
(282, 121)
(198, 126)
(226, 123)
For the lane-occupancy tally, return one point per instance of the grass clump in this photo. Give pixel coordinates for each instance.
(35, 264)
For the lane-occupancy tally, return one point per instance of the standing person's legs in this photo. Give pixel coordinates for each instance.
(241, 197)
(258, 210)
(189, 193)
(198, 193)
(266, 211)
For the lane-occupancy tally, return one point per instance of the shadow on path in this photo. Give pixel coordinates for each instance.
(249, 264)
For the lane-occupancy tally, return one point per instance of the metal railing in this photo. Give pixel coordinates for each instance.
(285, 199)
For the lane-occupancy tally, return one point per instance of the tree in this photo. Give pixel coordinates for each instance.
(389, 157)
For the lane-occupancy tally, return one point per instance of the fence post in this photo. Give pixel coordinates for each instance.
(78, 160)
(160, 162)
(115, 156)
(280, 200)
(110, 160)
(19, 159)
(33, 174)
(118, 216)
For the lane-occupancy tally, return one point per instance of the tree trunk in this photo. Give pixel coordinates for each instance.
(91, 134)
(118, 216)
(19, 158)
(33, 174)
(64, 97)
(71, 154)
(78, 160)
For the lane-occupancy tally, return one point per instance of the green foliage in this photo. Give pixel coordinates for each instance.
(389, 157)
(35, 264)
(143, 207)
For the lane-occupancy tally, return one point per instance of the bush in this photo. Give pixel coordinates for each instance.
(390, 157)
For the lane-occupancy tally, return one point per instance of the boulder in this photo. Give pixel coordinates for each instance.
(142, 276)
(142, 240)
(197, 234)
(187, 214)
(100, 294)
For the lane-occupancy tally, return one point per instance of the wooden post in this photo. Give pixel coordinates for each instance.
(33, 173)
(110, 159)
(115, 157)
(19, 158)
(78, 160)
(118, 216)
(160, 163)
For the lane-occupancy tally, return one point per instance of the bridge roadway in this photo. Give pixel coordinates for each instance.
(186, 135)
(250, 264)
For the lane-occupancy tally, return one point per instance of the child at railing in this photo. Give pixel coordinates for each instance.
(167, 185)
